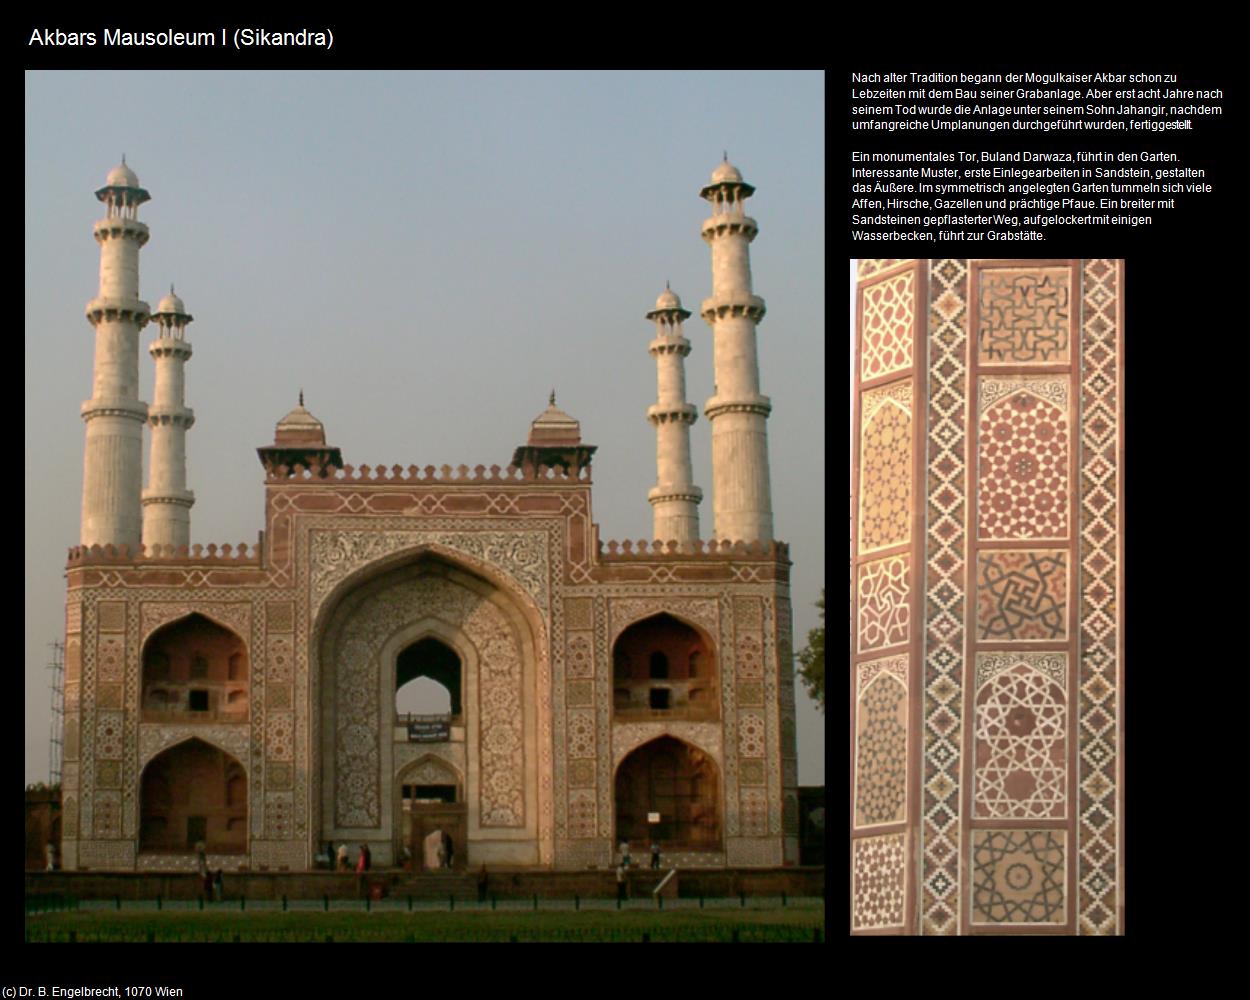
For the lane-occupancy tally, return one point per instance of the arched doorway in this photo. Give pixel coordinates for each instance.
(668, 792)
(190, 794)
(424, 621)
(432, 816)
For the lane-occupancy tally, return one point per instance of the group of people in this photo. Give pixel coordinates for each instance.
(212, 884)
(626, 861)
(364, 861)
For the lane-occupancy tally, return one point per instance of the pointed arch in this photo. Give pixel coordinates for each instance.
(193, 792)
(668, 791)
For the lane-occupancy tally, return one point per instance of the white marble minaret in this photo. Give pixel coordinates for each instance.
(741, 497)
(113, 458)
(674, 499)
(167, 501)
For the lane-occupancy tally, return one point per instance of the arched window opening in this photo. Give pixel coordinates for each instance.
(193, 793)
(658, 666)
(664, 648)
(194, 670)
(666, 792)
(428, 680)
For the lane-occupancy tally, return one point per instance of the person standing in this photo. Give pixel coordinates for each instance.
(655, 855)
(620, 882)
(218, 886)
(51, 857)
(482, 882)
(625, 853)
(362, 866)
(342, 862)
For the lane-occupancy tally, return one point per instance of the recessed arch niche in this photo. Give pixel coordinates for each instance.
(664, 668)
(677, 781)
(193, 792)
(194, 670)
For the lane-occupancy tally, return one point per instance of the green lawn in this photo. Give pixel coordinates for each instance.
(685, 925)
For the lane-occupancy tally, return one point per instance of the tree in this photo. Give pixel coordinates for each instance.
(812, 659)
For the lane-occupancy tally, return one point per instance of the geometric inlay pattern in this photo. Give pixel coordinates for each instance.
(1023, 458)
(1022, 595)
(879, 873)
(1098, 724)
(889, 315)
(1019, 876)
(885, 468)
(883, 593)
(881, 742)
(875, 265)
(946, 550)
(1020, 750)
(1024, 316)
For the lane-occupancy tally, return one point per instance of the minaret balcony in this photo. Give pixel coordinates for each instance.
(170, 347)
(110, 309)
(659, 413)
(184, 418)
(751, 306)
(115, 406)
(729, 224)
(669, 345)
(717, 405)
(120, 228)
(179, 498)
(669, 493)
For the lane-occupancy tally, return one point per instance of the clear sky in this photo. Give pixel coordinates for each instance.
(427, 255)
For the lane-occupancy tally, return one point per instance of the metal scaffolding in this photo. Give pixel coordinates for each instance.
(57, 728)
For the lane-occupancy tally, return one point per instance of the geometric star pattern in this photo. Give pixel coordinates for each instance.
(1022, 481)
(885, 475)
(1019, 876)
(1020, 746)
(881, 743)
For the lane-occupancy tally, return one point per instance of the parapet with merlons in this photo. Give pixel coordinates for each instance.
(428, 474)
(218, 555)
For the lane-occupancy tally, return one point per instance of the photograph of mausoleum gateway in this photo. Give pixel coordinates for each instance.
(247, 700)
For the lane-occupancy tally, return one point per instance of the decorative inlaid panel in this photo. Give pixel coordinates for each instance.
(1024, 315)
(1018, 876)
(885, 468)
(110, 658)
(1022, 595)
(878, 887)
(875, 265)
(111, 616)
(753, 812)
(946, 548)
(881, 742)
(108, 735)
(883, 591)
(889, 316)
(356, 677)
(1100, 616)
(1023, 486)
(522, 555)
(1020, 749)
